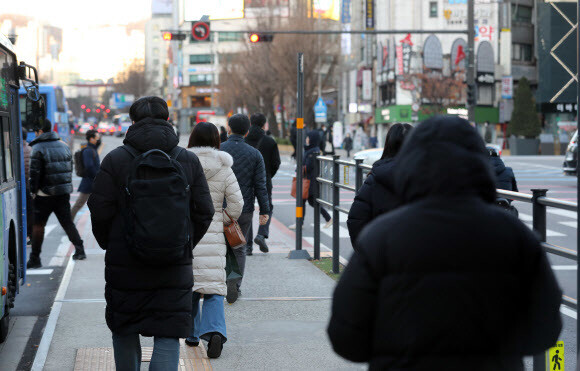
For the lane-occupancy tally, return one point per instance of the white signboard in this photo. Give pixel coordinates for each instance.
(367, 85)
(507, 87)
(352, 88)
(193, 10)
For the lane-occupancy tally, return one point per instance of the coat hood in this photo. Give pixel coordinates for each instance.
(256, 133)
(383, 170)
(212, 160)
(151, 133)
(444, 157)
(313, 139)
(45, 137)
(497, 164)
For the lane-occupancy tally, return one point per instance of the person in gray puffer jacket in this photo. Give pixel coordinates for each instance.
(251, 175)
(51, 186)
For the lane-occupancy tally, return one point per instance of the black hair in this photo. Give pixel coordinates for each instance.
(223, 130)
(204, 134)
(91, 134)
(258, 119)
(394, 140)
(239, 123)
(145, 107)
(46, 126)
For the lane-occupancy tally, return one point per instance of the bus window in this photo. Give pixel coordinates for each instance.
(60, 102)
(3, 119)
(6, 144)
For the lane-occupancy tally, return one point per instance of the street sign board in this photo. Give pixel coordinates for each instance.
(119, 100)
(320, 111)
(200, 31)
(507, 87)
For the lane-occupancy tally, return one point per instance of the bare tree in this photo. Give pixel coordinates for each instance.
(439, 92)
(133, 80)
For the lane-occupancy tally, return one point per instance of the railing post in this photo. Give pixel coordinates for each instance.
(317, 210)
(358, 182)
(539, 225)
(335, 215)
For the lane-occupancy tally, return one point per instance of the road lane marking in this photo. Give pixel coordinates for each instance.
(44, 347)
(549, 232)
(566, 213)
(526, 217)
(569, 312)
(570, 224)
(59, 257)
(564, 267)
(39, 272)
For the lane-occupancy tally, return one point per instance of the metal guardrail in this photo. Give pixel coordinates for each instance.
(538, 199)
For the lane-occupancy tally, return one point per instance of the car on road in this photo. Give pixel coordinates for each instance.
(571, 160)
(85, 127)
(122, 123)
(369, 156)
(106, 128)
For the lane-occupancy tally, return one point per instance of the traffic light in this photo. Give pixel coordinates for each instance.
(261, 37)
(170, 36)
(471, 95)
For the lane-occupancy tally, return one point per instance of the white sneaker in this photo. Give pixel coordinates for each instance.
(328, 224)
(292, 227)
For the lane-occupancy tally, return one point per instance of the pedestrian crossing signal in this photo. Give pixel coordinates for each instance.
(556, 357)
(260, 37)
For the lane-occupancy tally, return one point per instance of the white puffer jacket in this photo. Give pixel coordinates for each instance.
(209, 256)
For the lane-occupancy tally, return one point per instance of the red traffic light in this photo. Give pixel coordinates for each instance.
(167, 36)
(88, 110)
(98, 110)
(261, 37)
(254, 37)
(102, 106)
(83, 106)
(108, 110)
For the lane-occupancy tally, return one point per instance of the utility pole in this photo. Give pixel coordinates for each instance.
(174, 68)
(471, 58)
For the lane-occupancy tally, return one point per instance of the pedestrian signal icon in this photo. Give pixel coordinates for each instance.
(556, 357)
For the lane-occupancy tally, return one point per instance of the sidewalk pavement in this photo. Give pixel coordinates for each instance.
(278, 324)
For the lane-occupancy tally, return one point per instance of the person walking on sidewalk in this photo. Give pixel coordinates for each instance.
(376, 196)
(51, 186)
(209, 257)
(312, 150)
(347, 144)
(449, 281)
(91, 165)
(27, 151)
(148, 270)
(251, 175)
(268, 147)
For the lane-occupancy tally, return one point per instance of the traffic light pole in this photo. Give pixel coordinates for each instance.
(299, 253)
(471, 62)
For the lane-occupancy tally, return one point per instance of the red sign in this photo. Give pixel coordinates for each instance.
(385, 55)
(460, 54)
(200, 31)
(400, 69)
(407, 40)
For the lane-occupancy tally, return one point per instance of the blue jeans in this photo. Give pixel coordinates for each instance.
(128, 353)
(210, 320)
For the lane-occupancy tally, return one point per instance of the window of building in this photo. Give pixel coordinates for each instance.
(155, 51)
(200, 80)
(521, 13)
(433, 9)
(156, 62)
(229, 36)
(388, 94)
(200, 59)
(522, 52)
(485, 95)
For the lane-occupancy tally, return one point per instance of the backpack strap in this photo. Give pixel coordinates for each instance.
(175, 152)
(132, 151)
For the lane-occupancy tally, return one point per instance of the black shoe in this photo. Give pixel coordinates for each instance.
(232, 294)
(79, 253)
(261, 241)
(191, 343)
(33, 263)
(215, 346)
(249, 252)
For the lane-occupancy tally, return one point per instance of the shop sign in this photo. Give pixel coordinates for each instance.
(485, 78)
(507, 87)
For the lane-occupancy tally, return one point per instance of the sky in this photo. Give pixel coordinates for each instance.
(94, 41)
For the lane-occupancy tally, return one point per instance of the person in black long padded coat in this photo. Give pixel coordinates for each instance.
(144, 299)
(448, 281)
(376, 197)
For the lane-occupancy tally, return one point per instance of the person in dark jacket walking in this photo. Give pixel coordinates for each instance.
(251, 174)
(268, 147)
(448, 281)
(376, 196)
(322, 135)
(223, 134)
(311, 151)
(27, 151)
(504, 176)
(145, 299)
(294, 138)
(347, 144)
(92, 164)
(51, 186)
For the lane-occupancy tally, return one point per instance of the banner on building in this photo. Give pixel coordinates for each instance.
(345, 15)
(367, 85)
(507, 87)
(370, 15)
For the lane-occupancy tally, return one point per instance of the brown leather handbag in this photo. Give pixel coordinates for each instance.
(305, 185)
(233, 233)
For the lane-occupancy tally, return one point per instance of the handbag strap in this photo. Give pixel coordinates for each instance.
(231, 220)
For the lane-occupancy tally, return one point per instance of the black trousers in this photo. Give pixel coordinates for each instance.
(323, 212)
(43, 208)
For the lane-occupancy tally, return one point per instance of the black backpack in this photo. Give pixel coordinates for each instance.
(157, 214)
(79, 162)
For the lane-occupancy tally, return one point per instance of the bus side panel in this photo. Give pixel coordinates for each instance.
(21, 231)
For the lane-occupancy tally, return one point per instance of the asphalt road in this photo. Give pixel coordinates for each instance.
(35, 300)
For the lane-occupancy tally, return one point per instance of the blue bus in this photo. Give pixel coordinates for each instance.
(56, 112)
(12, 181)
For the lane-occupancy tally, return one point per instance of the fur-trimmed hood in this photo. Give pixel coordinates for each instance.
(212, 160)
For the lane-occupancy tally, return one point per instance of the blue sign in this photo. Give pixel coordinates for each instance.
(320, 111)
(345, 16)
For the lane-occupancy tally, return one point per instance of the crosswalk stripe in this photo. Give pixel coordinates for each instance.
(570, 224)
(549, 232)
(39, 272)
(566, 213)
(342, 232)
(526, 217)
(564, 267)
